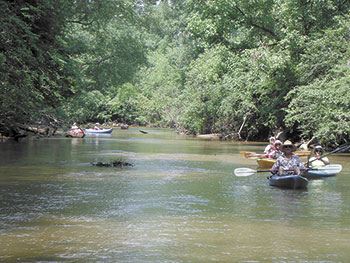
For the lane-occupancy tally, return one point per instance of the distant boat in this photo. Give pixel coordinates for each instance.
(99, 131)
(124, 127)
(75, 133)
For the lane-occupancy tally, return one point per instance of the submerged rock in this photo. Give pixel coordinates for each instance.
(116, 163)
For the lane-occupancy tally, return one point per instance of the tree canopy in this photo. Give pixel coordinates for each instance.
(240, 68)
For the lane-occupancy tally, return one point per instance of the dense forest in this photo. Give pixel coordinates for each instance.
(243, 69)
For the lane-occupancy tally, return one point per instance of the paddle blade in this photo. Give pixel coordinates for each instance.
(244, 172)
(331, 168)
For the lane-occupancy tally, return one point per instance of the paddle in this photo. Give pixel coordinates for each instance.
(248, 171)
(244, 153)
(331, 168)
(252, 155)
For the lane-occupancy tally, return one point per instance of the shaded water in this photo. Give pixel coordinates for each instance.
(180, 202)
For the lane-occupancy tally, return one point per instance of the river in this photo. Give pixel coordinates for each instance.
(179, 202)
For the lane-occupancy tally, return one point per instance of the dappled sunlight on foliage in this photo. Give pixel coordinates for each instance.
(242, 69)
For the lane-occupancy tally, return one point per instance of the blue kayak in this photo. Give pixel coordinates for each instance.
(323, 172)
(289, 181)
(317, 174)
(99, 131)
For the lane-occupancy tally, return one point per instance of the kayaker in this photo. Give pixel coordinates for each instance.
(75, 131)
(271, 147)
(277, 152)
(288, 163)
(74, 126)
(317, 161)
(97, 126)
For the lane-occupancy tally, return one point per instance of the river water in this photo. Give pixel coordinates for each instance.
(179, 202)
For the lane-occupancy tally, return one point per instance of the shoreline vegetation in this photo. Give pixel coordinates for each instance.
(22, 132)
(236, 70)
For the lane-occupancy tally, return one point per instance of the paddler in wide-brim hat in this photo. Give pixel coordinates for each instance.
(288, 163)
(288, 144)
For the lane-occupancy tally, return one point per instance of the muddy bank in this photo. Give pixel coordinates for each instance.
(17, 131)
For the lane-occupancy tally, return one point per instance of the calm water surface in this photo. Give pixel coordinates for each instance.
(180, 202)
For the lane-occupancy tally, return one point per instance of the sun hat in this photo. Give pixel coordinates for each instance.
(288, 143)
(278, 142)
(318, 147)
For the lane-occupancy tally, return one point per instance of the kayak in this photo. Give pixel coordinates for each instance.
(99, 131)
(75, 133)
(254, 155)
(266, 163)
(328, 170)
(317, 174)
(289, 181)
(303, 153)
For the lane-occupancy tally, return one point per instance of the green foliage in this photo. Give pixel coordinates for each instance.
(320, 107)
(34, 66)
(236, 24)
(161, 81)
(112, 57)
(203, 93)
(123, 106)
(253, 67)
(84, 106)
(160, 86)
(108, 49)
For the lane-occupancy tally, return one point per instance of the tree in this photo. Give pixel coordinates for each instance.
(319, 107)
(34, 64)
(109, 52)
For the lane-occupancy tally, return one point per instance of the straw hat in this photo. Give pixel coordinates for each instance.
(288, 143)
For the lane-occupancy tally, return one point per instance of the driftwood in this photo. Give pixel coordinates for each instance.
(238, 134)
(112, 164)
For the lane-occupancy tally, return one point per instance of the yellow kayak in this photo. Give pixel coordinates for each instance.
(303, 153)
(265, 163)
(254, 155)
